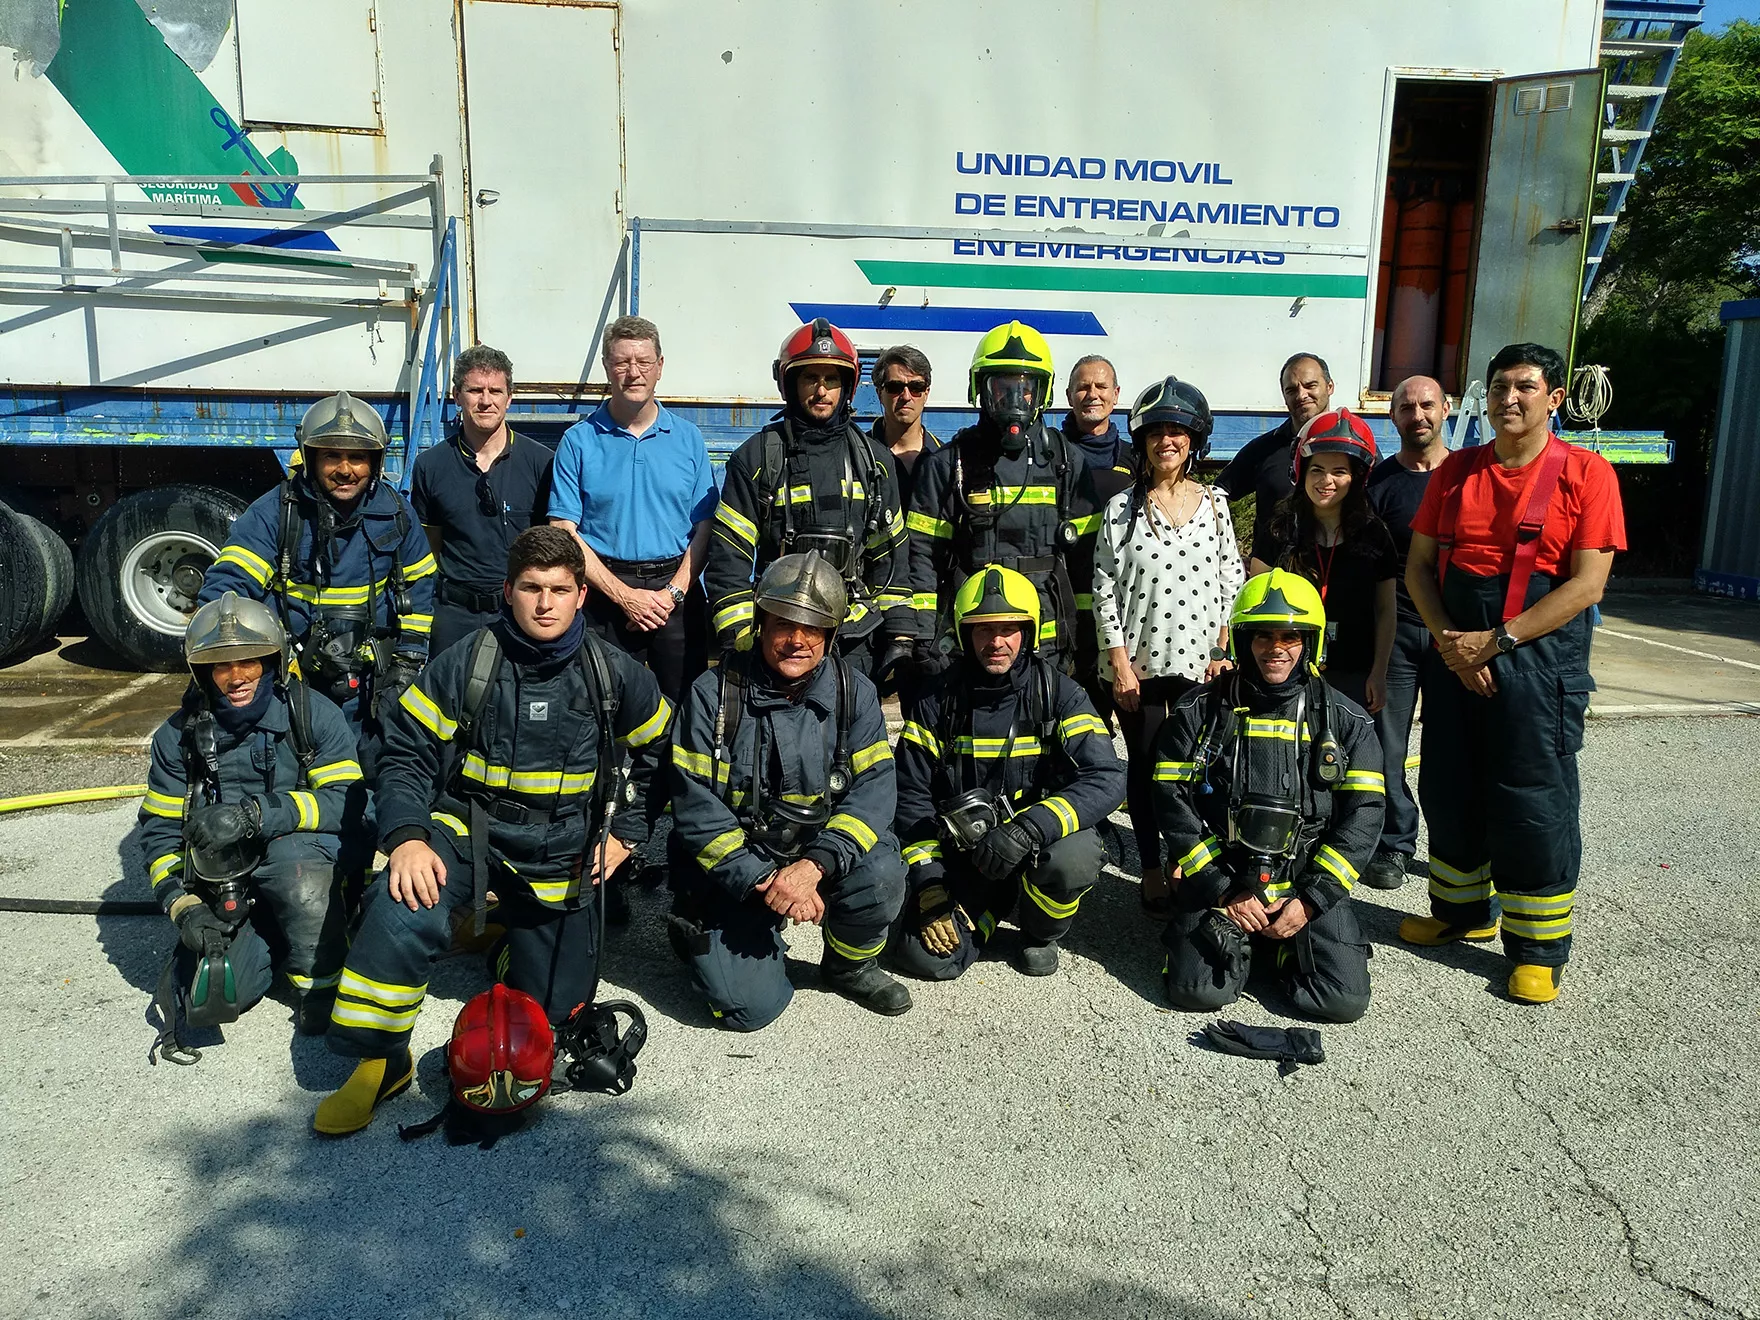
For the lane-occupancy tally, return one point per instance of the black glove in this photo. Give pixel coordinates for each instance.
(895, 656)
(927, 659)
(196, 924)
(398, 675)
(999, 853)
(1288, 1045)
(225, 824)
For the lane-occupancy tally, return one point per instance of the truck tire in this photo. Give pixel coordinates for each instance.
(57, 559)
(24, 585)
(141, 569)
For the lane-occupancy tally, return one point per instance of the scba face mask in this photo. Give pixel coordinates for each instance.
(1012, 402)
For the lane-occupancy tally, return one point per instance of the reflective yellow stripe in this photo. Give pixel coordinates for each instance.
(736, 522)
(308, 808)
(989, 749)
(1049, 905)
(1364, 781)
(161, 868)
(855, 952)
(1205, 851)
(555, 891)
(700, 764)
(1076, 725)
(1282, 730)
(652, 727)
(451, 822)
(347, 1013)
(1279, 889)
(1176, 772)
(920, 854)
(1084, 600)
(928, 525)
(427, 714)
(738, 612)
(870, 756)
(310, 983)
(856, 612)
(720, 848)
(422, 568)
(381, 992)
(162, 804)
(855, 828)
(1065, 813)
(1538, 905)
(891, 600)
(249, 560)
(337, 772)
(924, 601)
(916, 733)
(1048, 631)
(1452, 886)
(1555, 928)
(1331, 859)
(421, 624)
(1015, 495)
(525, 781)
(1086, 525)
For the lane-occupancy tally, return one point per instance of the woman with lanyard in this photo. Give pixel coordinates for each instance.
(1166, 570)
(1327, 532)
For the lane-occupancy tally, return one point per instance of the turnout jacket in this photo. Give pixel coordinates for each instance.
(955, 734)
(973, 505)
(713, 800)
(823, 491)
(259, 763)
(531, 761)
(352, 571)
(1340, 826)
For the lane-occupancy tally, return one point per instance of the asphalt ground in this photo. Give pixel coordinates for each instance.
(1011, 1147)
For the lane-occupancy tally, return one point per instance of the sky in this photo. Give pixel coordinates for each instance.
(1719, 12)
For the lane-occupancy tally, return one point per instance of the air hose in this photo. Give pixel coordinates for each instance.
(75, 907)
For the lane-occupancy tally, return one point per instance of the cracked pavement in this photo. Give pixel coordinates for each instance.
(1010, 1148)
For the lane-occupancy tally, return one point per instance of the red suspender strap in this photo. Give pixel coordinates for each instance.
(1540, 493)
(1451, 512)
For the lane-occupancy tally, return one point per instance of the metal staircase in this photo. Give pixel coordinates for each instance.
(1641, 42)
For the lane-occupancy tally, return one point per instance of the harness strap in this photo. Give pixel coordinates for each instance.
(1549, 471)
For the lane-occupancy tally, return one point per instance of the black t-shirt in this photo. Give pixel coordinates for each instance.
(1395, 492)
(1262, 469)
(1348, 575)
(473, 544)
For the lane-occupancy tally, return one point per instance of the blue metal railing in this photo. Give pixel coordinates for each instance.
(431, 394)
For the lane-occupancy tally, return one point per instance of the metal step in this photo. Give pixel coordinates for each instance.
(1632, 92)
(1624, 134)
(1604, 219)
(1602, 180)
(1626, 50)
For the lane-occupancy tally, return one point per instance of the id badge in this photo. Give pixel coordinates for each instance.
(1332, 630)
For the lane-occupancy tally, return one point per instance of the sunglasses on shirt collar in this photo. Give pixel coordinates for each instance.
(487, 504)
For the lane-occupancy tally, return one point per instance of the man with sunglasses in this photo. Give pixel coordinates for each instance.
(901, 378)
(476, 493)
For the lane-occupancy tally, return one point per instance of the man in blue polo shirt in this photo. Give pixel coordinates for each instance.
(633, 483)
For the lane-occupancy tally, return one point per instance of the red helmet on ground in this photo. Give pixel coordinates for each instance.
(1340, 431)
(817, 341)
(502, 1052)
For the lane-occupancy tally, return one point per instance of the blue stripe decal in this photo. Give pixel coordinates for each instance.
(309, 240)
(959, 320)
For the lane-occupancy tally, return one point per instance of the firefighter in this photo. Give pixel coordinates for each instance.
(238, 830)
(1004, 771)
(1010, 491)
(811, 480)
(782, 801)
(501, 771)
(1269, 791)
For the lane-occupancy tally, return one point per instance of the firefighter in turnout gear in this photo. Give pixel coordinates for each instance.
(501, 771)
(811, 480)
(1010, 491)
(1269, 791)
(782, 801)
(238, 830)
(1004, 771)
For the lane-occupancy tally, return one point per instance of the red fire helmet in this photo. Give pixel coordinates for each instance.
(816, 341)
(502, 1052)
(1340, 431)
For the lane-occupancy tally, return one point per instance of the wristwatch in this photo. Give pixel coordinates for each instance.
(675, 593)
(1505, 643)
(1217, 653)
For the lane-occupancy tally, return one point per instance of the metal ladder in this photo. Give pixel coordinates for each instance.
(1643, 39)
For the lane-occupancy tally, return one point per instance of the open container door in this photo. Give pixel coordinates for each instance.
(1534, 219)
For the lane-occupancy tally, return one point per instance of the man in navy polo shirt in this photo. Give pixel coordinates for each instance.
(633, 483)
(475, 493)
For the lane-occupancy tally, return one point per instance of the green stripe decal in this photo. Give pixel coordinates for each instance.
(1096, 279)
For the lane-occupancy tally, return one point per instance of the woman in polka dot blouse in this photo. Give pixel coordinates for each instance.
(1166, 572)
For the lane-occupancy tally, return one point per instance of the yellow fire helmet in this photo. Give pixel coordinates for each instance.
(995, 594)
(1009, 349)
(1279, 599)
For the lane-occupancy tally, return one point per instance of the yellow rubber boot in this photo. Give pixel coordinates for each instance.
(1535, 985)
(374, 1081)
(1429, 931)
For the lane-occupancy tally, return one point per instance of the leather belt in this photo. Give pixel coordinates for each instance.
(478, 602)
(643, 567)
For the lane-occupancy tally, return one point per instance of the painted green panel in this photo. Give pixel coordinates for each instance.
(1213, 283)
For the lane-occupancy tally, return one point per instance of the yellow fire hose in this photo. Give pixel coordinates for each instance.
(63, 798)
(106, 907)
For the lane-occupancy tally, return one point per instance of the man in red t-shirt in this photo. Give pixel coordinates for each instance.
(1510, 548)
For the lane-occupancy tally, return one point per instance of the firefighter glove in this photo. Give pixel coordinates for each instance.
(1000, 853)
(936, 915)
(197, 924)
(225, 824)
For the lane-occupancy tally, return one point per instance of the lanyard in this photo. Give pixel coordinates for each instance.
(1325, 565)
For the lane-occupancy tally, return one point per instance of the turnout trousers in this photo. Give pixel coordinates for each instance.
(1499, 783)
(1413, 658)
(550, 953)
(1324, 967)
(735, 950)
(1046, 896)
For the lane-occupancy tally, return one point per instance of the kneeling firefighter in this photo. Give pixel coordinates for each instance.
(501, 771)
(1004, 770)
(245, 796)
(1269, 791)
(782, 803)
(1010, 491)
